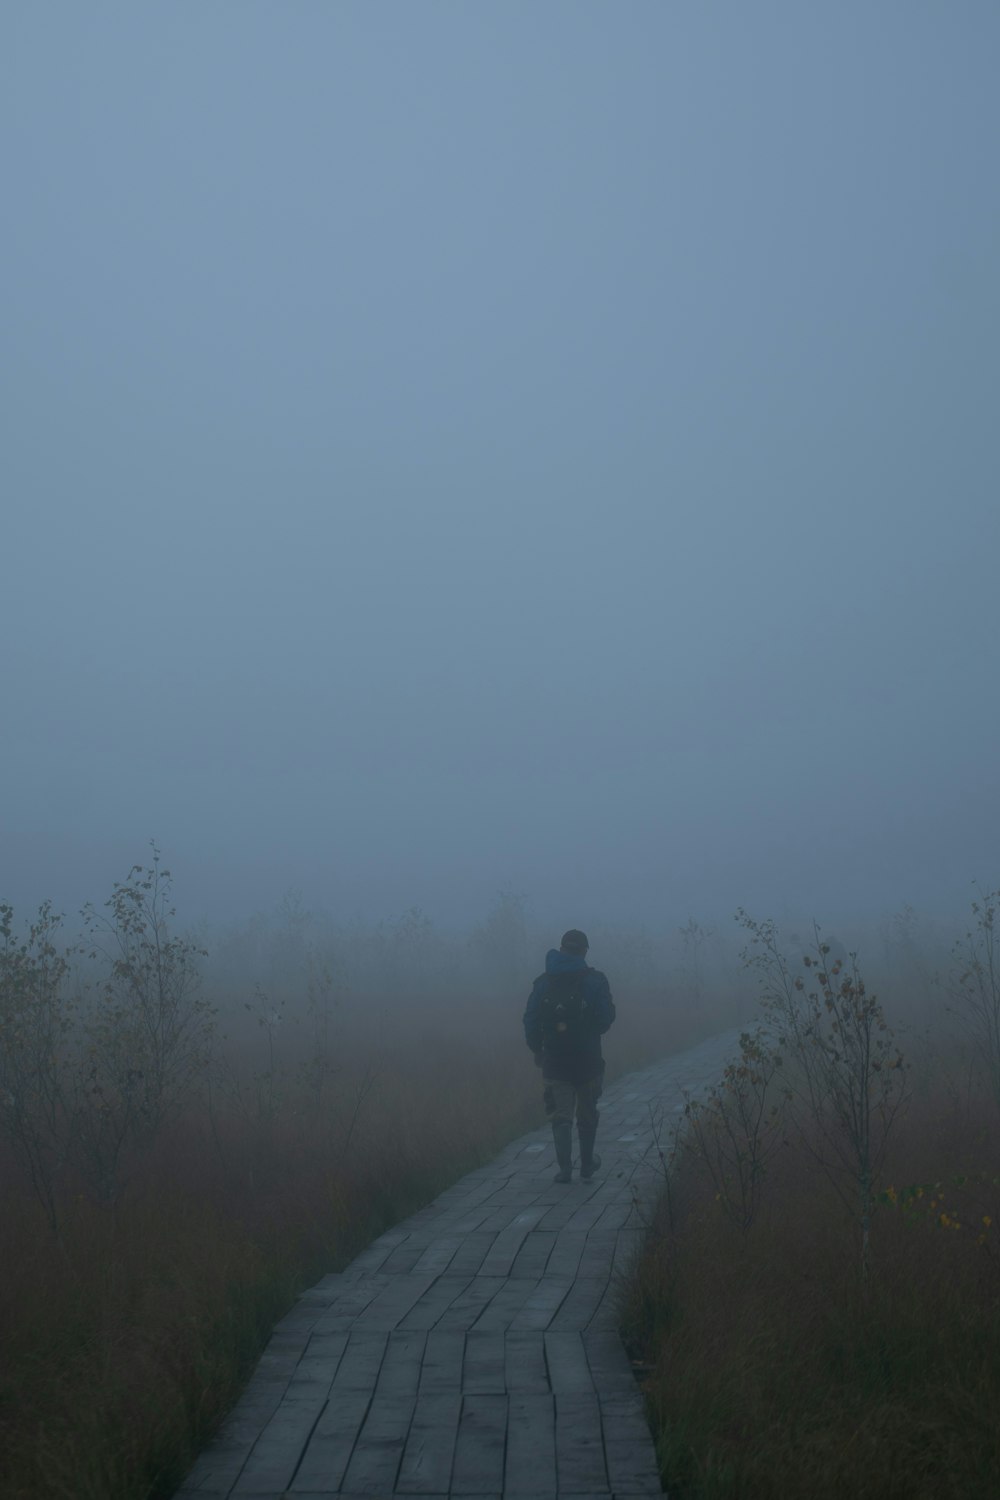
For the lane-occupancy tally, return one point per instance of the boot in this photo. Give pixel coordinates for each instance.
(589, 1161)
(562, 1135)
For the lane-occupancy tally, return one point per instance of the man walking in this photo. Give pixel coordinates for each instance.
(568, 1011)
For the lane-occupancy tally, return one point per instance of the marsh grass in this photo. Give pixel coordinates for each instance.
(771, 1375)
(126, 1340)
(126, 1343)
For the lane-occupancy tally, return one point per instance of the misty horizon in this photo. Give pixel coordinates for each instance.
(452, 450)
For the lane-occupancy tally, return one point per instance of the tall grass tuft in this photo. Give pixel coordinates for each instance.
(127, 1339)
(770, 1374)
(178, 1161)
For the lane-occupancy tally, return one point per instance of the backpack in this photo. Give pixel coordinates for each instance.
(567, 1020)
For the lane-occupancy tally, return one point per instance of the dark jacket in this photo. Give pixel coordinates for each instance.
(585, 1061)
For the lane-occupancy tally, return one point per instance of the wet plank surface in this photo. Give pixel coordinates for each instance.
(472, 1350)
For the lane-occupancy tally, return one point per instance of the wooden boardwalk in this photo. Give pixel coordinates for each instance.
(473, 1349)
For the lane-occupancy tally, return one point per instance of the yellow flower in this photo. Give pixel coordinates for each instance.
(987, 1220)
(943, 1220)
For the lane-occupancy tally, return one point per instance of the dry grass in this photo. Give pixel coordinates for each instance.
(773, 1377)
(123, 1348)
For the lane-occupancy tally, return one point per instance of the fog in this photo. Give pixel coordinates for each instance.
(451, 449)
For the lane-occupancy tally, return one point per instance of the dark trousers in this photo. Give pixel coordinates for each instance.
(563, 1100)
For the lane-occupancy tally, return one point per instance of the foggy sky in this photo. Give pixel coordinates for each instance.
(457, 446)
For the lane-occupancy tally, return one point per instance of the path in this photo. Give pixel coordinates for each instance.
(473, 1349)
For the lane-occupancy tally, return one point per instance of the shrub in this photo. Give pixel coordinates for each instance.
(975, 987)
(847, 1080)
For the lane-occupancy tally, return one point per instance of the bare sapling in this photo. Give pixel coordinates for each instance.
(269, 1084)
(146, 1031)
(258, 1095)
(500, 946)
(907, 957)
(661, 1155)
(847, 1080)
(696, 940)
(975, 987)
(319, 1069)
(736, 1129)
(36, 1018)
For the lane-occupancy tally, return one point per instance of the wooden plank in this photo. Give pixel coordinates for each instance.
(331, 1443)
(623, 1418)
(479, 1450)
(276, 1365)
(566, 1253)
(615, 1216)
(399, 1372)
(534, 1253)
(325, 1286)
(503, 1251)
(520, 1193)
(444, 1357)
(581, 1303)
(430, 1445)
(568, 1366)
(541, 1307)
(435, 1302)
(424, 1218)
(477, 1192)
(371, 1259)
(354, 1299)
(219, 1465)
(558, 1194)
(468, 1305)
(468, 1259)
(483, 1366)
(404, 1258)
(559, 1215)
(276, 1453)
(586, 1216)
(361, 1361)
(598, 1255)
(469, 1221)
(610, 1368)
(312, 1378)
(606, 1315)
(392, 1304)
(525, 1369)
(530, 1467)
(378, 1450)
(632, 1469)
(301, 1317)
(439, 1253)
(504, 1307)
(580, 1463)
(329, 1346)
(501, 1218)
(217, 1469)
